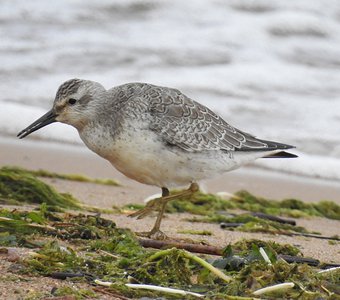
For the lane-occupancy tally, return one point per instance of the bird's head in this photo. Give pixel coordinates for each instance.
(73, 105)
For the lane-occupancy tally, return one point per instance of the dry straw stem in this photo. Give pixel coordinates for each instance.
(103, 283)
(329, 270)
(151, 288)
(162, 289)
(265, 256)
(277, 287)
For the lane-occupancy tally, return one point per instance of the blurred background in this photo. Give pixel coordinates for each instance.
(271, 68)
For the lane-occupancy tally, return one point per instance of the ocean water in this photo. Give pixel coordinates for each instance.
(271, 68)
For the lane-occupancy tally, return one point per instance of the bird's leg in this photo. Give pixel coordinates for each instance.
(156, 204)
(155, 232)
(152, 205)
(160, 204)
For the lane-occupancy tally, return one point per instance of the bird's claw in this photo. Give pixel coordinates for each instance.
(154, 234)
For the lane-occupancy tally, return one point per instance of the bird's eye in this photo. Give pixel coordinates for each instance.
(72, 101)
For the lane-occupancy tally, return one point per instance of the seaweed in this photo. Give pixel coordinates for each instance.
(172, 267)
(18, 186)
(213, 208)
(72, 177)
(196, 232)
(208, 204)
(244, 245)
(89, 249)
(289, 207)
(115, 256)
(77, 293)
(199, 204)
(16, 227)
(249, 223)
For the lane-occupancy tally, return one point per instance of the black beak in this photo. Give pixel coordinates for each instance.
(46, 119)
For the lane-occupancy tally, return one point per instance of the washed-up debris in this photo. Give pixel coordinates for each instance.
(114, 255)
(18, 186)
(71, 177)
(299, 259)
(249, 223)
(273, 288)
(195, 232)
(91, 249)
(208, 204)
(196, 248)
(263, 215)
(273, 218)
(163, 289)
(257, 225)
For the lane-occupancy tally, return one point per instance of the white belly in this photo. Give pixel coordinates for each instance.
(144, 158)
(140, 155)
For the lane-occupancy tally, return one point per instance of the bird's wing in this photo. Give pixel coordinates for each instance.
(193, 127)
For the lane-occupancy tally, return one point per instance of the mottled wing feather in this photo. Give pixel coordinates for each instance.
(193, 127)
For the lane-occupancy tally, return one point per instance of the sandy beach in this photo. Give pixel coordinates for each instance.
(35, 154)
(75, 159)
(65, 158)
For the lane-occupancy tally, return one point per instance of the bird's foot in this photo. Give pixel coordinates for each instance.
(152, 205)
(154, 234)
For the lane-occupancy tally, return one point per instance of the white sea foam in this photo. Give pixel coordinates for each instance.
(268, 67)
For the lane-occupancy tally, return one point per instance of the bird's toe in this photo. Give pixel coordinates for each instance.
(153, 234)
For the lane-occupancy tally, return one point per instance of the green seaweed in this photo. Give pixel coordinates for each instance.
(129, 255)
(250, 223)
(115, 255)
(77, 293)
(35, 295)
(288, 207)
(255, 224)
(16, 227)
(199, 204)
(208, 204)
(172, 268)
(54, 258)
(212, 207)
(120, 242)
(72, 177)
(95, 248)
(243, 246)
(132, 206)
(196, 232)
(245, 252)
(19, 186)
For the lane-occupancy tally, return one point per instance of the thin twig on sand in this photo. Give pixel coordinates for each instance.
(196, 248)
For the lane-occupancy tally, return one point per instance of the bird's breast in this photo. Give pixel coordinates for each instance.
(98, 139)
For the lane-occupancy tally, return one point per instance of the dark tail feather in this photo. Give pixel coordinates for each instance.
(282, 154)
(275, 145)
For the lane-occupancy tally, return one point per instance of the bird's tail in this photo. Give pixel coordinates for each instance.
(281, 154)
(279, 146)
